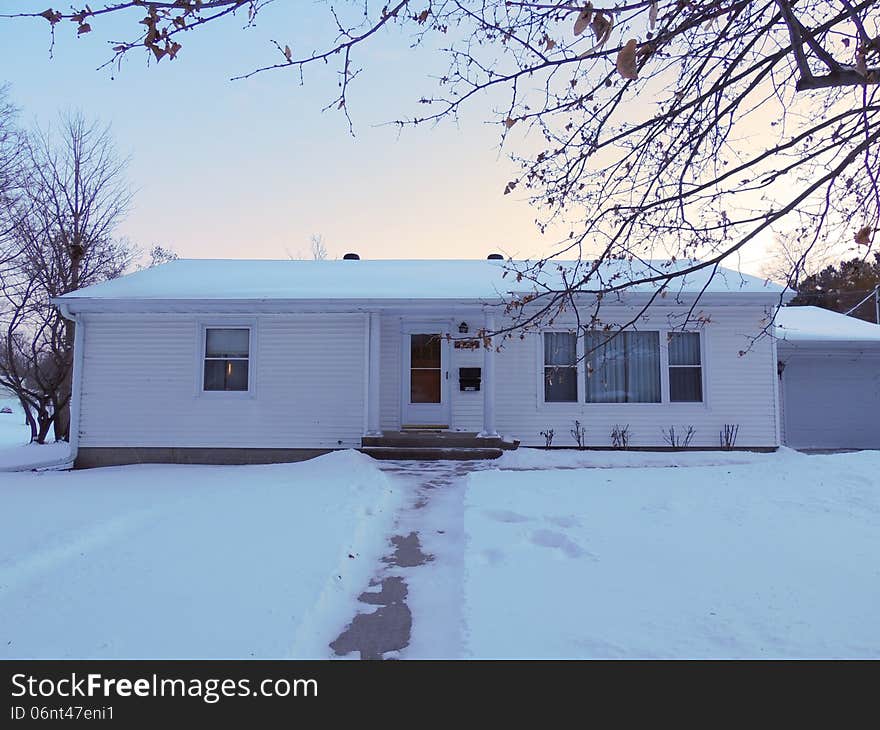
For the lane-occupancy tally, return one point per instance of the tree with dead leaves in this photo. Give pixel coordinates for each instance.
(678, 131)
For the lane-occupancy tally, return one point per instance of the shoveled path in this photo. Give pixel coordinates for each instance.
(385, 623)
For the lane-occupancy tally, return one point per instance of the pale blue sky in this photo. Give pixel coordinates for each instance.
(252, 168)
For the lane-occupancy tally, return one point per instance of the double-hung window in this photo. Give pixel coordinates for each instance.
(623, 367)
(227, 356)
(560, 367)
(685, 368)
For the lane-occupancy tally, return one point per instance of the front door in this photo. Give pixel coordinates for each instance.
(425, 377)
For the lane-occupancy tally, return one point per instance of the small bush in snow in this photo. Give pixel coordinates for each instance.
(579, 434)
(728, 435)
(620, 436)
(548, 438)
(678, 440)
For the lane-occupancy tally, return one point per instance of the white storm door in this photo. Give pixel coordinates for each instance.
(425, 376)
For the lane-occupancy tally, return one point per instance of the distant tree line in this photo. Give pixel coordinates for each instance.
(840, 287)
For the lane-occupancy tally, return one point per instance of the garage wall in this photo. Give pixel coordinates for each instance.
(831, 398)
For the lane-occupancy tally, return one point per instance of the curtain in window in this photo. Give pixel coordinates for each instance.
(625, 369)
(560, 367)
(226, 342)
(684, 348)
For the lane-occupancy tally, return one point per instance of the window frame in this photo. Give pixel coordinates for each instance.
(203, 328)
(702, 366)
(582, 402)
(542, 368)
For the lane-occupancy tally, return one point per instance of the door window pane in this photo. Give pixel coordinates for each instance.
(424, 386)
(425, 351)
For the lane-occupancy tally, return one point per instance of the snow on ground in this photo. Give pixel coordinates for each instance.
(577, 459)
(13, 430)
(188, 561)
(779, 557)
(15, 451)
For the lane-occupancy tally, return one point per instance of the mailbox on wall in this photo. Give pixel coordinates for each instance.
(469, 378)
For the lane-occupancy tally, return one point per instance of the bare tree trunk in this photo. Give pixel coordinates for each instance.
(44, 422)
(62, 411)
(28, 418)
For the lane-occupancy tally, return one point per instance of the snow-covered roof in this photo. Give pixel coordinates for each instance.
(237, 279)
(814, 324)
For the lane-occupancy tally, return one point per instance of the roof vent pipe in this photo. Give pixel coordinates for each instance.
(494, 257)
(351, 257)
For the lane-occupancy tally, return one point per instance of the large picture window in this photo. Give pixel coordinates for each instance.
(560, 367)
(227, 355)
(624, 368)
(685, 368)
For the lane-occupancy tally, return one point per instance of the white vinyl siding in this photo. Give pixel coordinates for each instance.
(142, 383)
(143, 377)
(737, 389)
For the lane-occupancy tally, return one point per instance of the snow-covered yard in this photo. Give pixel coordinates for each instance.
(775, 556)
(188, 561)
(535, 555)
(13, 431)
(14, 437)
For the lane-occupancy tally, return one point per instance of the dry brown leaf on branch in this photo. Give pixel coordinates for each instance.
(652, 15)
(863, 236)
(861, 63)
(626, 60)
(509, 122)
(53, 16)
(583, 19)
(601, 26)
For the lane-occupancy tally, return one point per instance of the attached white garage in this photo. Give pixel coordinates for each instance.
(829, 379)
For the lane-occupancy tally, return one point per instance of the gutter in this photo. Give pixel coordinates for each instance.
(75, 398)
(71, 306)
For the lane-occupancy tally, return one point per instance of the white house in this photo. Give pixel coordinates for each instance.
(243, 361)
(829, 379)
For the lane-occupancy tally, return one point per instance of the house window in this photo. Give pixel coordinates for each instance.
(560, 367)
(685, 368)
(227, 352)
(623, 368)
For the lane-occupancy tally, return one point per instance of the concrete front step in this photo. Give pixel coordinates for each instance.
(422, 453)
(434, 440)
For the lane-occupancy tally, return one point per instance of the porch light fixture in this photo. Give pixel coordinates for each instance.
(463, 328)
